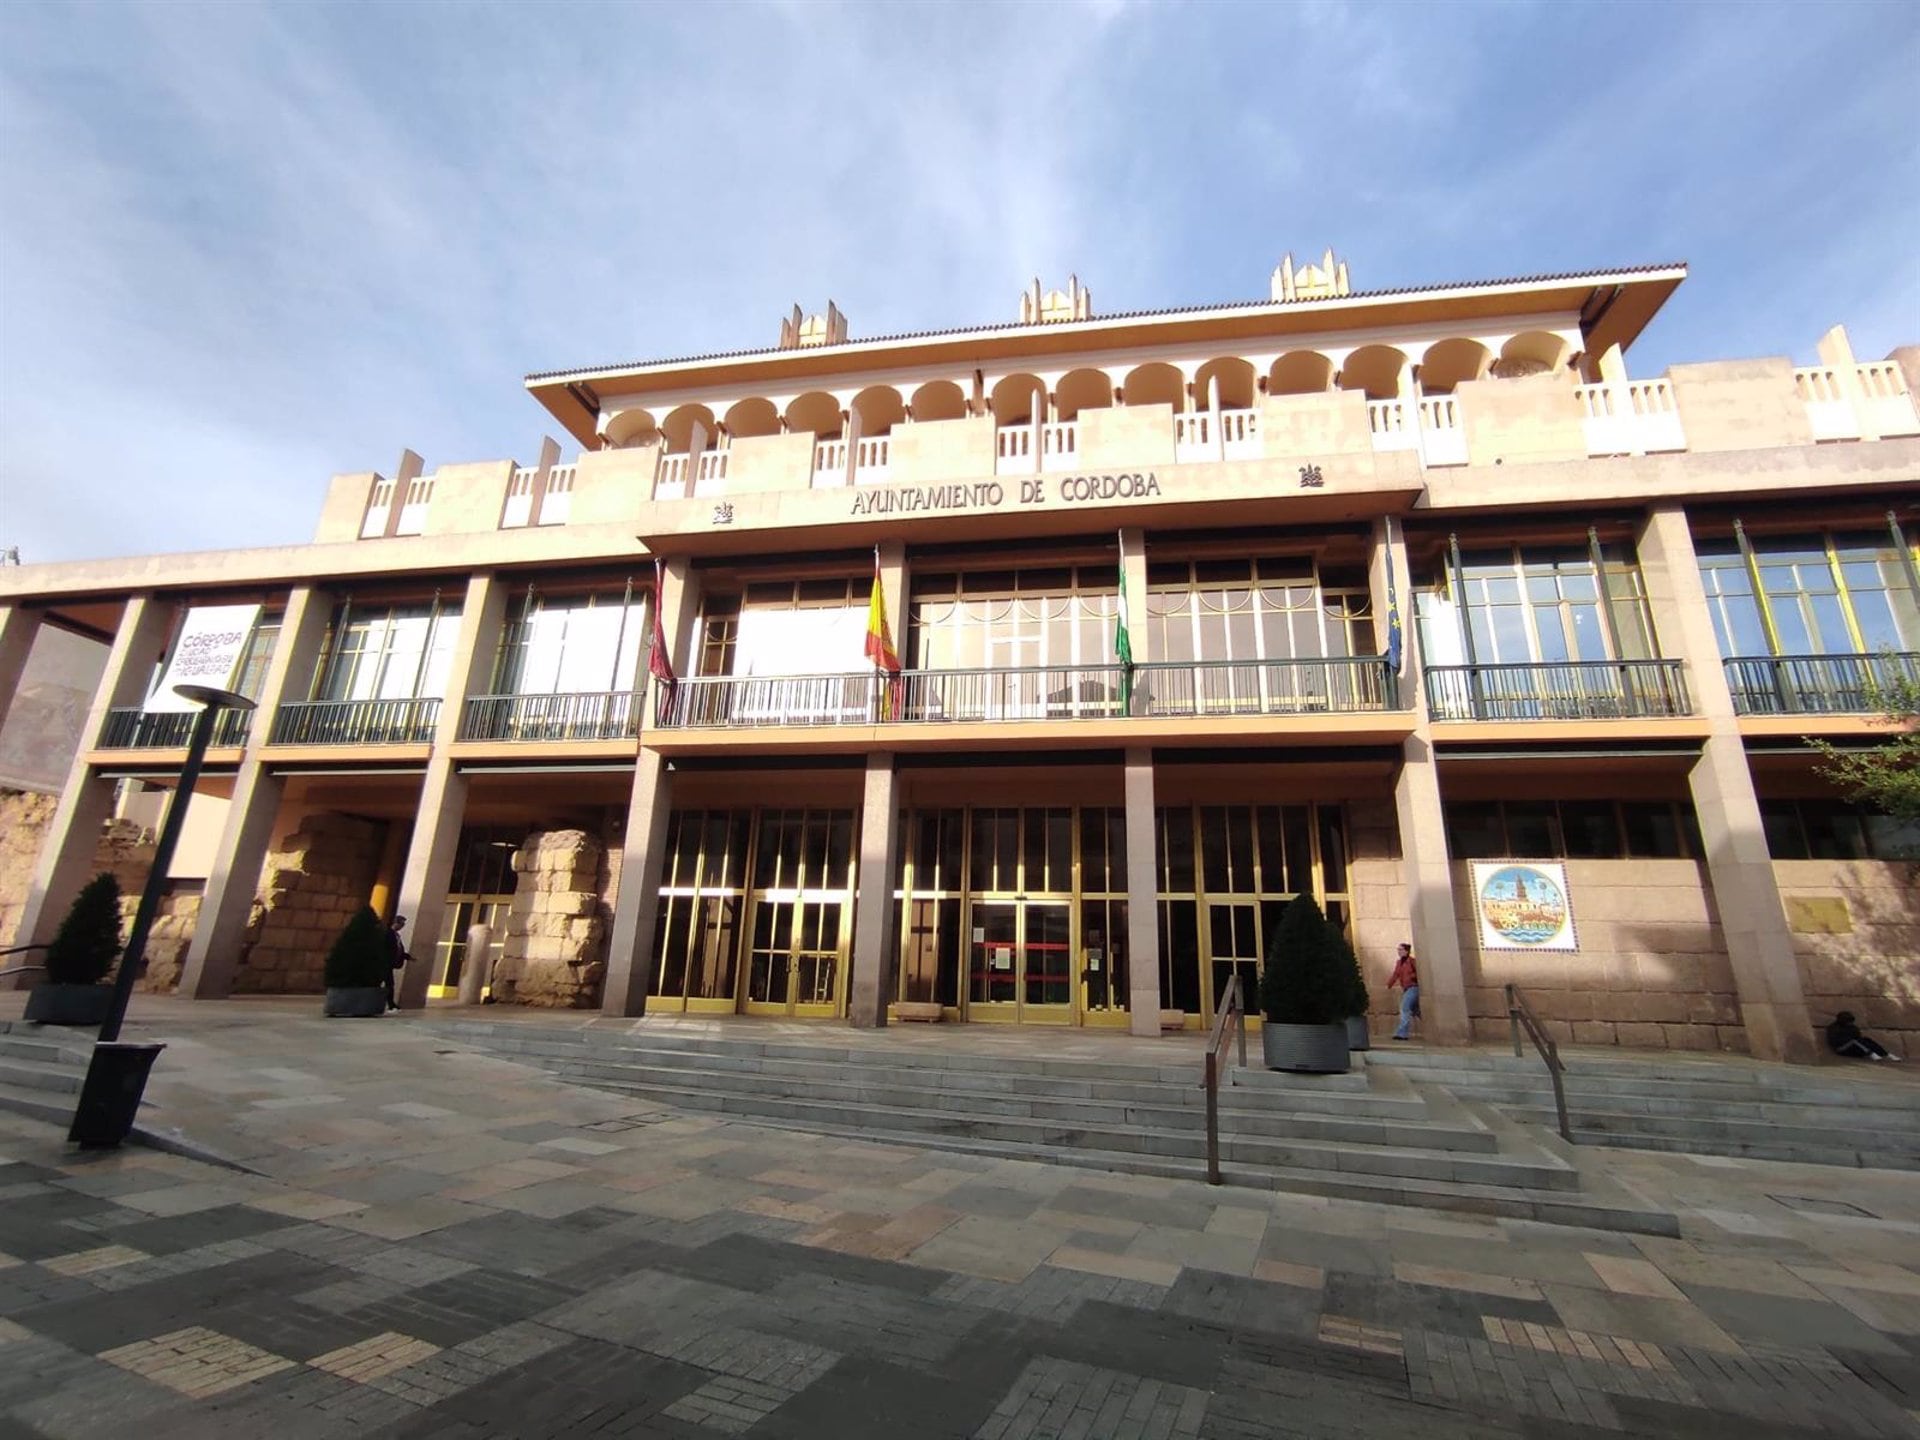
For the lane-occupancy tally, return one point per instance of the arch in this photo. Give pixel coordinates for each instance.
(1016, 399)
(678, 427)
(939, 400)
(1532, 352)
(631, 427)
(879, 408)
(1156, 383)
(1235, 377)
(1082, 390)
(1448, 362)
(1375, 369)
(816, 412)
(754, 416)
(1300, 372)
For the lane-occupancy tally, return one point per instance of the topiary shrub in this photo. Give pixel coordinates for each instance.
(82, 951)
(1308, 975)
(359, 957)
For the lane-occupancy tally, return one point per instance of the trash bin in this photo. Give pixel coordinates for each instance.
(116, 1078)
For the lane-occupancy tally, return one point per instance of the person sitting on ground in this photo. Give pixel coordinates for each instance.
(1844, 1038)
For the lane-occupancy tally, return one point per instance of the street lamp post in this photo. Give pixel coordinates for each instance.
(117, 1073)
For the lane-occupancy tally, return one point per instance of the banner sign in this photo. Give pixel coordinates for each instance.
(1523, 905)
(208, 653)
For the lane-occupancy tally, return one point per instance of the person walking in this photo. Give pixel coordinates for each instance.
(397, 958)
(1845, 1038)
(1407, 977)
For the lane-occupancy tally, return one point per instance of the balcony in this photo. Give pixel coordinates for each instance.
(1885, 407)
(1035, 447)
(1817, 684)
(1630, 417)
(682, 475)
(168, 730)
(1217, 435)
(871, 454)
(611, 715)
(1576, 690)
(1267, 687)
(356, 722)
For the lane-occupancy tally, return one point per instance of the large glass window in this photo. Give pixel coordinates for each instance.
(1535, 605)
(1005, 620)
(1274, 608)
(1835, 830)
(393, 652)
(572, 644)
(1572, 829)
(1820, 594)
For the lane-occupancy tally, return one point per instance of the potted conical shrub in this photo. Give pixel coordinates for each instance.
(1358, 1000)
(1305, 993)
(79, 958)
(357, 967)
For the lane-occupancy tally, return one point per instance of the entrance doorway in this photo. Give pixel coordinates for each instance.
(1020, 965)
(797, 963)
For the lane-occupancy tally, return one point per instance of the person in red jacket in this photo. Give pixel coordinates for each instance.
(1407, 977)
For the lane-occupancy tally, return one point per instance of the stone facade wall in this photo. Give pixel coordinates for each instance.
(311, 884)
(554, 953)
(24, 817)
(1856, 930)
(1651, 971)
(1377, 890)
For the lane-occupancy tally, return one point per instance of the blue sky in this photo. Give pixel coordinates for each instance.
(246, 247)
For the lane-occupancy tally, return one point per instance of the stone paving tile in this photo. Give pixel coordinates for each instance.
(196, 1362)
(1061, 1400)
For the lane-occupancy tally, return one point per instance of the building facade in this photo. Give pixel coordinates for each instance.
(1429, 611)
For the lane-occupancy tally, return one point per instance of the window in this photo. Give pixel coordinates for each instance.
(1835, 830)
(1274, 608)
(1572, 829)
(395, 652)
(1820, 594)
(1010, 620)
(573, 644)
(1536, 606)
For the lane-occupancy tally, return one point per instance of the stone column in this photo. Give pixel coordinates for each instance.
(1144, 1000)
(86, 800)
(642, 858)
(443, 792)
(18, 627)
(213, 955)
(1753, 921)
(873, 908)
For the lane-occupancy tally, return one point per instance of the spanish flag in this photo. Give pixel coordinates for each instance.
(880, 645)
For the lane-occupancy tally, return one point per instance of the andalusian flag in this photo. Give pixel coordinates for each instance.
(1123, 642)
(880, 645)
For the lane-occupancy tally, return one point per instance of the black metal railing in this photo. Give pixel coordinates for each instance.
(1027, 692)
(584, 715)
(1818, 684)
(133, 729)
(1266, 687)
(1521, 1018)
(1229, 1020)
(1573, 690)
(1041, 692)
(355, 722)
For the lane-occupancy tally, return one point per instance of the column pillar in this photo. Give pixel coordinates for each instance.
(86, 800)
(637, 904)
(213, 954)
(18, 627)
(1144, 1000)
(1746, 895)
(443, 792)
(873, 909)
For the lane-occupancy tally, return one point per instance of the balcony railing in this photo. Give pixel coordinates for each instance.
(1266, 687)
(610, 715)
(1817, 684)
(1630, 417)
(705, 472)
(1575, 690)
(168, 730)
(1041, 692)
(355, 722)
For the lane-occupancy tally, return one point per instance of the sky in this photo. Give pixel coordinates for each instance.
(246, 247)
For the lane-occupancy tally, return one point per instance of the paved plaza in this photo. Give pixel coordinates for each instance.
(425, 1241)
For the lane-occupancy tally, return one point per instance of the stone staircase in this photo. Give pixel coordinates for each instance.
(1819, 1115)
(41, 1068)
(1369, 1135)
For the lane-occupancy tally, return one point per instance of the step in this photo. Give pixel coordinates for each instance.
(1903, 1123)
(1701, 1079)
(38, 1075)
(1403, 1161)
(37, 1104)
(14, 1046)
(1162, 1107)
(1851, 1146)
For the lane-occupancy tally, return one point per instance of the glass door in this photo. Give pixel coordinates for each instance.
(798, 957)
(1020, 965)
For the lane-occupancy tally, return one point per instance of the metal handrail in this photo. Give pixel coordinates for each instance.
(132, 728)
(1519, 1016)
(1562, 690)
(1820, 684)
(563, 715)
(22, 969)
(356, 722)
(1232, 1007)
(1310, 685)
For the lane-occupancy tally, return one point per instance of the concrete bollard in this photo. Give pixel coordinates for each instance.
(473, 974)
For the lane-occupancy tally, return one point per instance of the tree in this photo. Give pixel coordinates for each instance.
(83, 948)
(1885, 778)
(1309, 974)
(359, 959)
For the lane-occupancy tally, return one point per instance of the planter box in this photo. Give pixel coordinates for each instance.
(1307, 1049)
(925, 1011)
(51, 1004)
(1357, 1036)
(358, 1000)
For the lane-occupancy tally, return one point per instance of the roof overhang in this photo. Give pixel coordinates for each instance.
(1614, 306)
